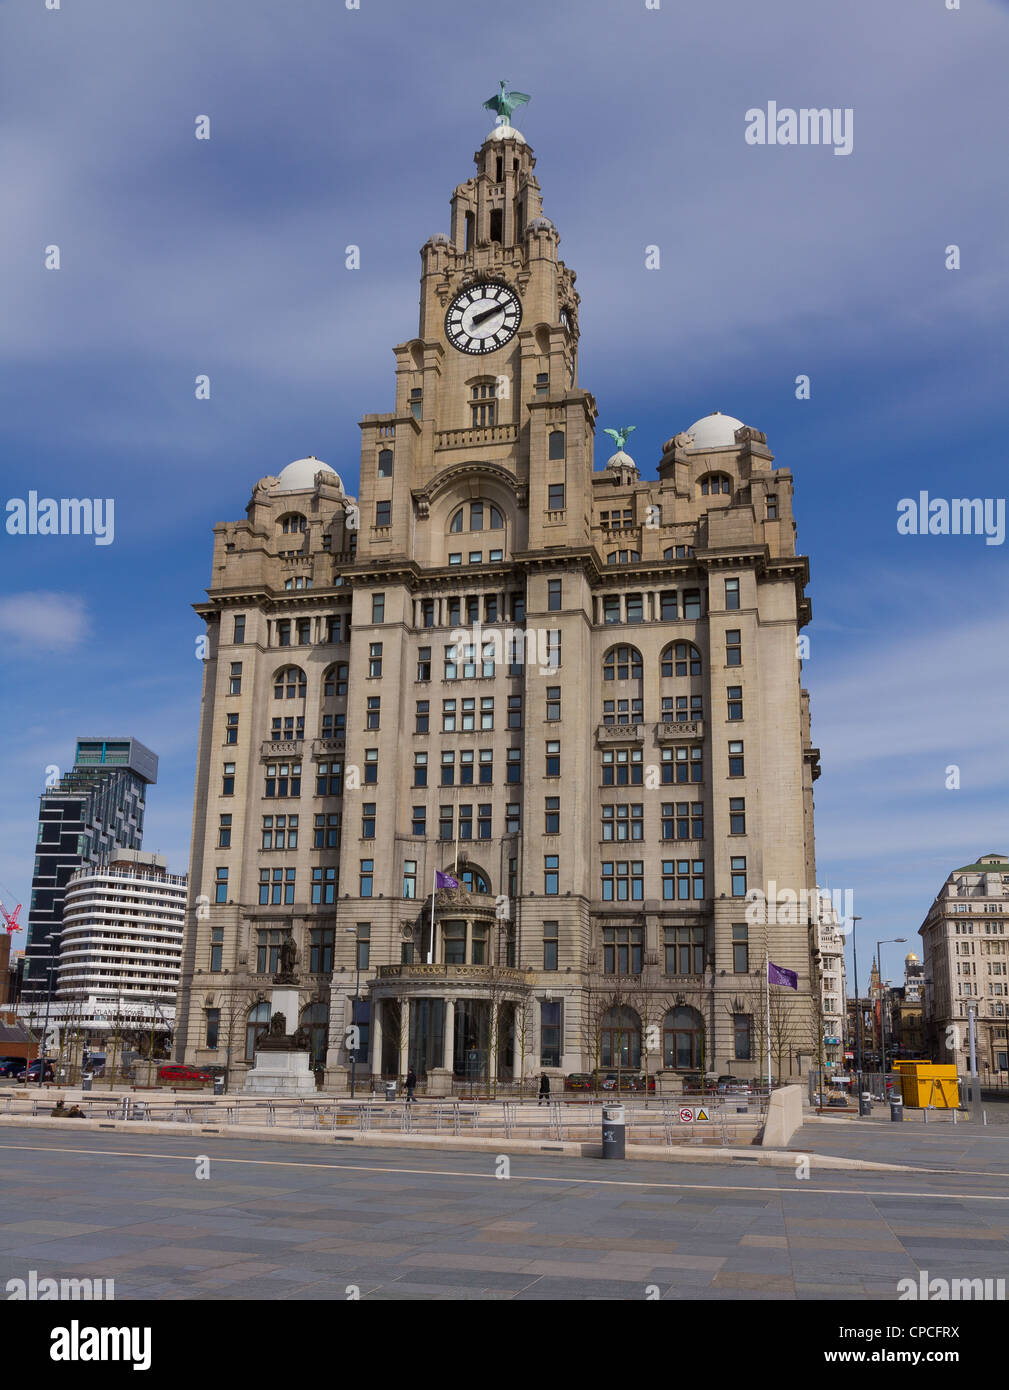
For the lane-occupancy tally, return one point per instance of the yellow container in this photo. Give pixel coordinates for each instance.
(924, 1084)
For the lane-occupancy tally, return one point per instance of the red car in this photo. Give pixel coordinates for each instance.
(178, 1071)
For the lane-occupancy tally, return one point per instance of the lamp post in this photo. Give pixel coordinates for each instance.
(890, 940)
(352, 931)
(45, 1030)
(858, 1008)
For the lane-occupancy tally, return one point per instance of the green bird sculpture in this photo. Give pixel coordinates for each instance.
(505, 103)
(621, 436)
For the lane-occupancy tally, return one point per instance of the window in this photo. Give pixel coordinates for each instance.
(734, 696)
(327, 831)
(486, 766)
(668, 610)
(622, 663)
(623, 557)
(280, 832)
(635, 608)
(427, 612)
(551, 875)
(213, 1027)
(378, 608)
(552, 815)
(555, 497)
(682, 764)
(772, 507)
(383, 513)
(328, 779)
(553, 758)
(333, 629)
(303, 628)
(221, 886)
(409, 878)
(448, 769)
(290, 683)
(678, 552)
(611, 609)
(513, 769)
(323, 885)
(682, 709)
(623, 880)
(276, 886)
(733, 648)
(482, 402)
(553, 702)
(622, 950)
(335, 680)
(224, 832)
(423, 717)
(366, 878)
(554, 587)
(542, 383)
(486, 712)
(551, 1032)
(740, 949)
(482, 515)
(742, 1031)
(231, 732)
(682, 880)
(293, 523)
(681, 659)
(623, 767)
(616, 520)
(235, 679)
(370, 765)
(714, 484)
(683, 820)
(732, 593)
(363, 944)
(684, 950)
(555, 446)
(284, 633)
(424, 663)
(622, 711)
(691, 603)
(216, 949)
(484, 822)
(385, 460)
(445, 820)
(683, 1039)
(368, 820)
(320, 950)
(737, 815)
(738, 867)
(550, 930)
(374, 712)
(418, 823)
(622, 822)
(228, 780)
(239, 634)
(374, 659)
(420, 769)
(291, 728)
(736, 760)
(283, 779)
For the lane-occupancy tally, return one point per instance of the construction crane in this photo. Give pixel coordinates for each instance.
(10, 919)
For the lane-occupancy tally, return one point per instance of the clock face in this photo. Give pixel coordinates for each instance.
(483, 318)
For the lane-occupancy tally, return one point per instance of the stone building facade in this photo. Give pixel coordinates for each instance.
(575, 690)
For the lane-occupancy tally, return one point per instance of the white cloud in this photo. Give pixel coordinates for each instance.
(42, 623)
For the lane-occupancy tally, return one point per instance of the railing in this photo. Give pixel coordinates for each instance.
(669, 729)
(283, 748)
(479, 973)
(485, 434)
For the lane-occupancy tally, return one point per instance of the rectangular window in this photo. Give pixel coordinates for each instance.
(328, 779)
(235, 679)
(736, 763)
(553, 758)
(327, 831)
(368, 820)
(378, 608)
(513, 819)
(622, 950)
(370, 765)
(383, 513)
(213, 1027)
(740, 949)
(448, 769)
(323, 885)
(732, 593)
(231, 732)
(239, 634)
(550, 945)
(228, 780)
(373, 715)
(553, 702)
(466, 821)
(623, 880)
(514, 711)
(418, 823)
(623, 822)
(366, 878)
(374, 659)
(320, 950)
(683, 820)
(423, 717)
(733, 647)
(684, 948)
(635, 608)
(420, 769)
(216, 949)
(682, 880)
(551, 875)
(363, 947)
(424, 663)
(772, 508)
(667, 605)
(486, 766)
(484, 822)
(513, 770)
(276, 887)
(224, 833)
(738, 868)
(445, 820)
(691, 603)
(734, 698)
(737, 815)
(555, 497)
(551, 1032)
(742, 1033)
(284, 633)
(553, 595)
(682, 764)
(552, 815)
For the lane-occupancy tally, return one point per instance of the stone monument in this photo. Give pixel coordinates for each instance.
(282, 1064)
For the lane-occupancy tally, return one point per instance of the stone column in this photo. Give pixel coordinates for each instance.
(449, 1033)
(439, 1079)
(376, 1038)
(404, 1039)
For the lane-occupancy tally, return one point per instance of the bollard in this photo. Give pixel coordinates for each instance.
(896, 1108)
(86, 1081)
(614, 1131)
(865, 1103)
(390, 1090)
(218, 1085)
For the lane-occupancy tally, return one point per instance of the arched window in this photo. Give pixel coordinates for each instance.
(483, 404)
(683, 1039)
(713, 484)
(678, 552)
(623, 557)
(292, 523)
(477, 516)
(316, 1019)
(385, 463)
(681, 659)
(621, 664)
(620, 1038)
(257, 1024)
(290, 683)
(334, 682)
(475, 880)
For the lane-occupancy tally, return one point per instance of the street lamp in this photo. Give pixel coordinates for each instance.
(890, 940)
(45, 1032)
(858, 1007)
(352, 931)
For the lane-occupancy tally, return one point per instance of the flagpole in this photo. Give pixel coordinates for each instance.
(767, 995)
(430, 947)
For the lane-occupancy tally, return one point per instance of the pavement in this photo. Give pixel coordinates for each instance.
(283, 1221)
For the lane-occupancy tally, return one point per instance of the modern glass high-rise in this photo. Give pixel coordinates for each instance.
(94, 809)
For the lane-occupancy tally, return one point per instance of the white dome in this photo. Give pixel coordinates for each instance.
(715, 431)
(506, 132)
(299, 476)
(620, 458)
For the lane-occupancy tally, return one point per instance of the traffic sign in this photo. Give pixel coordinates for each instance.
(690, 1113)
(686, 1114)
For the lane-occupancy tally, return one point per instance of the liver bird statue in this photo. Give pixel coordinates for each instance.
(505, 103)
(621, 436)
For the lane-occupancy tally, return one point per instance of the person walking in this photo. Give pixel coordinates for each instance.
(410, 1085)
(544, 1091)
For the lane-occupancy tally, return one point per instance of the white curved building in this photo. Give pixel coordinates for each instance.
(121, 945)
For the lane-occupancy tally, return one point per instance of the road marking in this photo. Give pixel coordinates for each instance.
(528, 1177)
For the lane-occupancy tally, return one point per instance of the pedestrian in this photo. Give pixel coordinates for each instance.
(544, 1092)
(410, 1085)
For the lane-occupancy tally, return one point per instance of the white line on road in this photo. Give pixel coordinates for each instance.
(525, 1177)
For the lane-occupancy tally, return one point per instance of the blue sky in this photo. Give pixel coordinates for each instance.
(331, 127)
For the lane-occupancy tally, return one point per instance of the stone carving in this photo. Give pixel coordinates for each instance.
(288, 960)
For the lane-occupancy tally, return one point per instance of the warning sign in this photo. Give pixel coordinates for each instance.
(701, 1114)
(690, 1113)
(686, 1115)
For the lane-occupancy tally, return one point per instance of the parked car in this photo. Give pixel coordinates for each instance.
(178, 1071)
(12, 1066)
(578, 1081)
(35, 1069)
(732, 1086)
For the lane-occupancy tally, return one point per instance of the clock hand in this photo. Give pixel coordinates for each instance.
(487, 313)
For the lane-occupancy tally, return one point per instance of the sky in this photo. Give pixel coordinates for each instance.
(332, 127)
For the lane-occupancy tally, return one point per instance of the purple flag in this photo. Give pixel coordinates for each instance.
(444, 880)
(778, 975)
